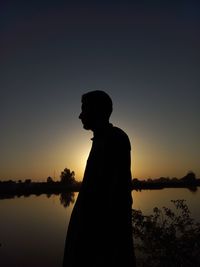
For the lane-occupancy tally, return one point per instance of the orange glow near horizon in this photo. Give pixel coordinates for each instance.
(71, 150)
(144, 165)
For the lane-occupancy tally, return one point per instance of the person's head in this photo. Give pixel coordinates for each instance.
(96, 109)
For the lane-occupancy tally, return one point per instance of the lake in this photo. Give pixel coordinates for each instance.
(33, 228)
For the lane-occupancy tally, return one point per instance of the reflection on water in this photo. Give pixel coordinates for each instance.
(67, 198)
(193, 189)
(146, 200)
(33, 229)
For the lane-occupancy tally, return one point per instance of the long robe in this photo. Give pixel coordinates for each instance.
(100, 230)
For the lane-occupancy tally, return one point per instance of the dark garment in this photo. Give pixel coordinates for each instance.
(100, 231)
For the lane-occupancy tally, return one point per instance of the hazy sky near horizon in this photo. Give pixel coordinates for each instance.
(145, 54)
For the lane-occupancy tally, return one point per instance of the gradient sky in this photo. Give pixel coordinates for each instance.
(145, 54)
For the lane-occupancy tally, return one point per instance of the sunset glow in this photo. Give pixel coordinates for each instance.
(144, 56)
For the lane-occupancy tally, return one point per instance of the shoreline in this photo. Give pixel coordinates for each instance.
(10, 189)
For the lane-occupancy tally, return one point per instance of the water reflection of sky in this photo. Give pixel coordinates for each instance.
(146, 200)
(33, 229)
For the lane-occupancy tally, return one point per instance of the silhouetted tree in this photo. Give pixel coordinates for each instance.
(49, 180)
(190, 177)
(67, 177)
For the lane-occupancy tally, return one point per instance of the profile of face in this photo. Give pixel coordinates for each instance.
(87, 117)
(95, 110)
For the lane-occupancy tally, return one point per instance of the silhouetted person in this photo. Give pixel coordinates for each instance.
(100, 230)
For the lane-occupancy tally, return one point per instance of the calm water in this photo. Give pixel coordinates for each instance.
(33, 229)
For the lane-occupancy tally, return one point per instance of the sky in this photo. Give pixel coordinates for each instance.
(144, 54)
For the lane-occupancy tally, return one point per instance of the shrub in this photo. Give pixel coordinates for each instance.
(167, 237)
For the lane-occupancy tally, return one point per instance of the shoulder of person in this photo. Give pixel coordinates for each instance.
(120, 137)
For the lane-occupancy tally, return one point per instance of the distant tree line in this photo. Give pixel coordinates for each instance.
(67, 177)
(189, 180)
(67, 182)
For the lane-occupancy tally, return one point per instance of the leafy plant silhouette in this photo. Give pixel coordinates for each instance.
(168, 237)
